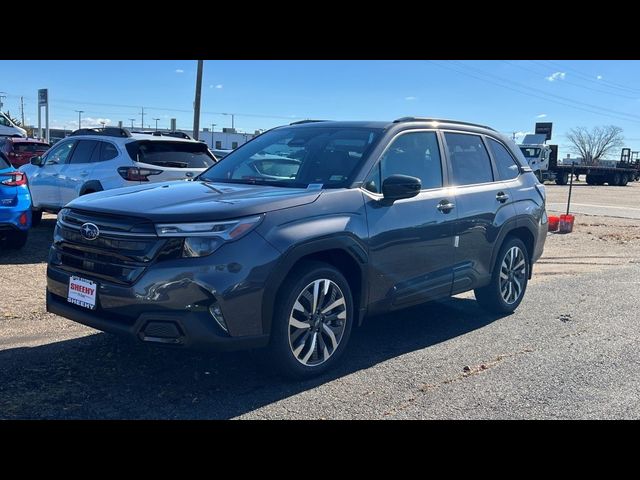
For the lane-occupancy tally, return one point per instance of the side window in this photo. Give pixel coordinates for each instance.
(108, 151)
(470, 163)
(234, 145)
(60, 153)
(415, 154)
(83, 152)
(218, 145)
(507, 166)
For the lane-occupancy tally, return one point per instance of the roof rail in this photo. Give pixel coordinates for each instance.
(300, 122)
(106, 131)
(176, 134)
(440, 120)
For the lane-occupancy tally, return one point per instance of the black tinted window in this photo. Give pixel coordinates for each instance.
(469, 159)
(4, 162)
(83, 151)
(415, 154)
(171, 154)
(30, 147)
(507, 167)
(108, 151)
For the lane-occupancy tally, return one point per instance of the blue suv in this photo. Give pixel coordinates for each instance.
(15, 205)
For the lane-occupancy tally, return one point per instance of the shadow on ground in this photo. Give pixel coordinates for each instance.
(102, 376)
(37, 248)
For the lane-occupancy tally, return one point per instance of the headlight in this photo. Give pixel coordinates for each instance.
(203, 238)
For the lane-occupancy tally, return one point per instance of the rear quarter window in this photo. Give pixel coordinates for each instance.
(4, 163)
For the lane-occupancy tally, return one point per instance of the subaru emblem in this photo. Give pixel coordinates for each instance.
(89, 231)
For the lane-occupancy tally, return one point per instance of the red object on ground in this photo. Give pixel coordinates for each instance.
(553, 223)
(566, 223)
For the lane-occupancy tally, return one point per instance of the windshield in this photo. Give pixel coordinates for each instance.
(171, 154)
(530, 152)
(297, 157)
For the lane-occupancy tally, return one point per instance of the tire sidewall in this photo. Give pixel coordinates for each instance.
(281, 350)
(511, 242)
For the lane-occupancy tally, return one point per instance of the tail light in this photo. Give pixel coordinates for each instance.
(135, 174)
(15, 179)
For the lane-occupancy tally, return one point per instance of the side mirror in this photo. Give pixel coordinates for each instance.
(37, 161)
(396, 187)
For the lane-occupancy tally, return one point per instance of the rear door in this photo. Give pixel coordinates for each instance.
(482, 205)
(77, 170)
(44, 182)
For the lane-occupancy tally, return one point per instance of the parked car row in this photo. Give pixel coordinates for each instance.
(88, 161)
(15, 205)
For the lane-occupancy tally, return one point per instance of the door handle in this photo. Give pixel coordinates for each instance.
(84, 174)
(445, 206)
(502, 197)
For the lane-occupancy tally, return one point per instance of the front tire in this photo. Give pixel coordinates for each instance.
(508, 280)
(16, 239)
(312, 322)
(36, 217)
(562, 178)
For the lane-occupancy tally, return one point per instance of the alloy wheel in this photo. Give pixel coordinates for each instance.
(513, 271)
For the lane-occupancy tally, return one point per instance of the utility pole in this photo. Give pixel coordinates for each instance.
(80, 112)
(142, 120)
(514, 136)
(22, 110)
(196, 103)
(132, 120)
(212, 125)
(156, 119)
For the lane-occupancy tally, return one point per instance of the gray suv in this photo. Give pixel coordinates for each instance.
(299, 234)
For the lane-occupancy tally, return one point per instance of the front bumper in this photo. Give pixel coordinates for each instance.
(170, 301)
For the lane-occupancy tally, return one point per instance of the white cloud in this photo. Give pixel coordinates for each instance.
(218, 86)
(410, 98)
(556, 76)
(599, 77)
(542, 115)
(179, 70)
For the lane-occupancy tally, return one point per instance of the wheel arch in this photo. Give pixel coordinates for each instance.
(521, 230)
(90, 187)
(343, 252)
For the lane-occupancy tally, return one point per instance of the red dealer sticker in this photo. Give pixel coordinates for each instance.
(82, 292)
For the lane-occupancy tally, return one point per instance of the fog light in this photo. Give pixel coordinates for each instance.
(216, 313)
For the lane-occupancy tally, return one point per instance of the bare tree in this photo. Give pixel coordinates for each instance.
(595, 144)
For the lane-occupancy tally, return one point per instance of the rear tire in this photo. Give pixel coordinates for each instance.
(16, 240)
(562, 178)
(508, 280)
(308, 341)
(624, 180)
(36, 217)
(615, 180)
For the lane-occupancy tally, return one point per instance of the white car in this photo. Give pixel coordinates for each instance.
(10, 129)
(92, 160)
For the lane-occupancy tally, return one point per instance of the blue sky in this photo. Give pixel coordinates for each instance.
(507, 95)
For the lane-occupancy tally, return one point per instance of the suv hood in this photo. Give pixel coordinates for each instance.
(182, 201)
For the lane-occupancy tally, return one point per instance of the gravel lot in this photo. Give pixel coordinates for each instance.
(570, 351)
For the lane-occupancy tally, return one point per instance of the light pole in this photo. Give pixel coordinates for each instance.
(103, 124)
(80, 112)
(232, 119)
(132, 120)
(156, 119)
(212, 125)
(196, 102)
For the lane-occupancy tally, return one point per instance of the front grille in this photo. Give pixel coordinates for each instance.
(124, 249)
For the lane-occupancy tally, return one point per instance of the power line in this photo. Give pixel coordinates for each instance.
(508, 87)
(568, 82)
(566, 99)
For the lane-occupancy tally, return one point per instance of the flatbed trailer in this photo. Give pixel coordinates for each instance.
(618, 175)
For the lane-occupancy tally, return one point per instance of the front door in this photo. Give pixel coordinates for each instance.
(410, 240)
(45, 181)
